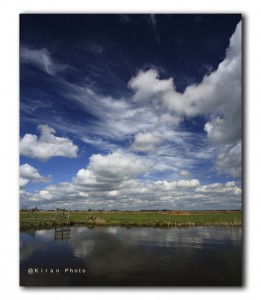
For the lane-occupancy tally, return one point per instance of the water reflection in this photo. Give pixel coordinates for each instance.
(136, 256)
(62, 233)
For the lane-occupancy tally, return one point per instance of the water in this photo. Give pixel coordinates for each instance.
(142, 256)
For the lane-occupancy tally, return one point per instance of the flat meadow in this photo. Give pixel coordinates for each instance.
(48, 219)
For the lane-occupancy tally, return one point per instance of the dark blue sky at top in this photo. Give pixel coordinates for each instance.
(103, 52)
(185, 47)
(181, 46)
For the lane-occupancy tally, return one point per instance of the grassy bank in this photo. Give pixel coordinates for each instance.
(48, 219)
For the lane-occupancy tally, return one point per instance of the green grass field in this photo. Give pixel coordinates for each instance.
(47, 219)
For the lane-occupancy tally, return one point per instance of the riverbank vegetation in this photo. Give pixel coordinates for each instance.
(166, 218)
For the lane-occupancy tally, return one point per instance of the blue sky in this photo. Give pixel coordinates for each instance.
(130, 111)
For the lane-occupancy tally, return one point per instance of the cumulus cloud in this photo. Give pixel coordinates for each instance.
(42, 59)
(85, 177)
(107, 171)
(229, 160)
(230, 184)
(227, 129)
(137, 194)
(116, 181)
(23, 182)
(147, 85)
(180, 184)
(184, 173)
(113, 193)
(123, 180)
(85, 191)
(29, 173)
(118, 165)
(146, 142)
(219, 188)
(47, 145)
(188, 183)
(219, 94)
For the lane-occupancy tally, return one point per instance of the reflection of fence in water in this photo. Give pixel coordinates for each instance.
(62, 233)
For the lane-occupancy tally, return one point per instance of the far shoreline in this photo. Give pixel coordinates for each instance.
(43, 219)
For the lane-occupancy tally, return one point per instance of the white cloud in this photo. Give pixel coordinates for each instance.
(218, 97)
(118, 165)
(184, 173)
(228, 189)
(85, 177)
(47, 145)
(113, 193)
(148, 86)
(180, 184)
(42, 59)
(188, 183)
(146, 142)
(152, 122)
(225, 130)
(137, 194)
(29, 173)
(23, 182)
(170, 119)
(229, 160)
(106, 171)
(219, 94)
(115, 118)
(45, 195)
(230, 184)
(125, 121)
